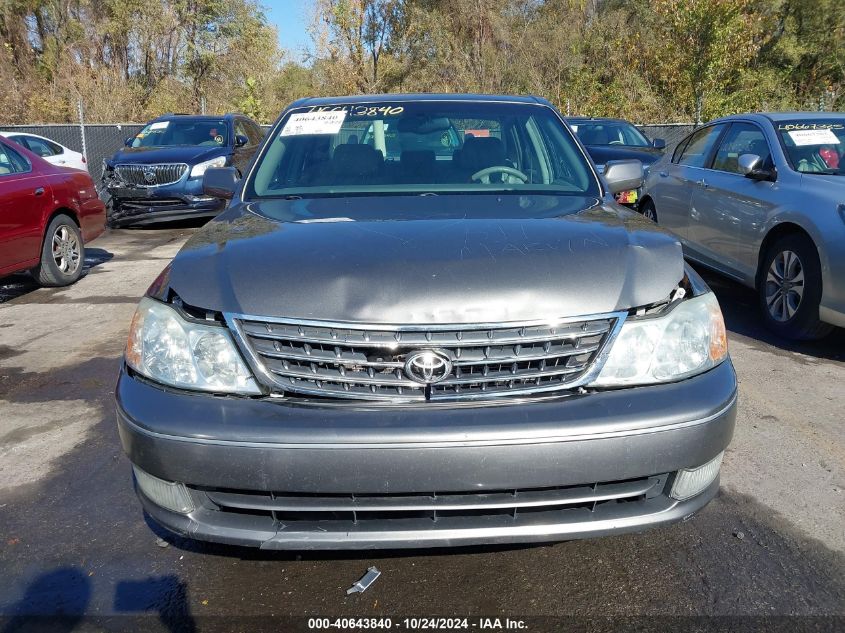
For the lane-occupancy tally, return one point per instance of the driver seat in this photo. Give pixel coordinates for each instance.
(480, 152)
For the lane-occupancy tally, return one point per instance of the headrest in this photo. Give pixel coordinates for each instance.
(359, 160)
(484, 151)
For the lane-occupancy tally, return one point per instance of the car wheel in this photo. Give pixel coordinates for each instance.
(62, 254)
(790, 288)
(648, 209)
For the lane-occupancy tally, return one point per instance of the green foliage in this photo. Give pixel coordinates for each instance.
(250, 105)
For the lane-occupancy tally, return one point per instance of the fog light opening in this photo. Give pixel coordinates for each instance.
(692, 481)
(169, 495)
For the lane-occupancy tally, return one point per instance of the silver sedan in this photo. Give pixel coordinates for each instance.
(761, 198)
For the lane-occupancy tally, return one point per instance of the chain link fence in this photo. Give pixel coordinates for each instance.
(672, 133)
(101, 141)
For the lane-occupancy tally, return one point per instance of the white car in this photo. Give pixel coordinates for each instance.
(49, 150)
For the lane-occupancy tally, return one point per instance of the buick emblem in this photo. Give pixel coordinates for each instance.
(149, 176)
(428, 366)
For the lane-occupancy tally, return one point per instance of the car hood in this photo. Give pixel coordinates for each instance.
(190, 154)
(443, 259)
(603, 153)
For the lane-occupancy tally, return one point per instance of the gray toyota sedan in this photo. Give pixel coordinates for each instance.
(423, 320)
(761, 198)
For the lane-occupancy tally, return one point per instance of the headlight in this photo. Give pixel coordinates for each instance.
(168, 349)
(199, 169)
(686, 341)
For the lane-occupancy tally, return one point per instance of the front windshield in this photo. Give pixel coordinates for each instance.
(421, 147)
(609, 133)
(202, 132)
(814, 146)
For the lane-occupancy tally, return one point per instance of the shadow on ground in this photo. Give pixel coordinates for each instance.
(19, 285)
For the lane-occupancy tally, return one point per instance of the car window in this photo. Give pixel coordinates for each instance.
(11, 162)
(390, 147)
(189, 131)
(698, 148)
(741, 138)
(676, 155)
(254, 132)
(38, 146)
(241, 130)
(814, 146)
(610, 133)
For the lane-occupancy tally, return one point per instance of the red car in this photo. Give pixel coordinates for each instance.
(47, 214)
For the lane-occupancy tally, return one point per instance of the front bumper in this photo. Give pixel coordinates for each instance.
(140, 205)
(240, 457)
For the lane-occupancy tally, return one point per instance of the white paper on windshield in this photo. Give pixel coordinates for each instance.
(159, 125)
(813, 137)
(314, 123)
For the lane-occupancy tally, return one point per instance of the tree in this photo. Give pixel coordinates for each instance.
(702, 48)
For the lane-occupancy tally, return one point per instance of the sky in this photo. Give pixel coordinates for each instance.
(291, 18)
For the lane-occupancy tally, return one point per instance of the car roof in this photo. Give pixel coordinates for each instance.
(595, 119)
(427, 96)
(778, 116)
(197, 117)
(12, 133)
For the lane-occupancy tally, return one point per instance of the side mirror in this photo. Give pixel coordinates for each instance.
(220, 182)
(128, 141)
(623, 175)
(240, 140)
(658, 143)
(751, 166)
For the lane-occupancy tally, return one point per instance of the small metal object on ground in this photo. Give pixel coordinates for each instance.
(364, 583)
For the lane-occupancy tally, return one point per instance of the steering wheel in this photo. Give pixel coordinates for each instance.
(615, 143)
(483, 175)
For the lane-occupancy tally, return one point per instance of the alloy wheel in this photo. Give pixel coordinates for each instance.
(784, 286)
(66, 250)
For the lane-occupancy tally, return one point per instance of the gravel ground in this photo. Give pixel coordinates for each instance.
(74, 541)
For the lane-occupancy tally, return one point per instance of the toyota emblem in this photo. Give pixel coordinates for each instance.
(428, 366)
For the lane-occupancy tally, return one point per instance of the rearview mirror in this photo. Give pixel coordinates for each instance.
(220, 182)
(658, 143)
(623, 175)
(751, 166)
(240, 140)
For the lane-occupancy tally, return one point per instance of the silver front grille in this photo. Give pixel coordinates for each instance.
(150, 175)
(362, 362)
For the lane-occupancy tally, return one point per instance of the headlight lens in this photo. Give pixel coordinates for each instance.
(200, 168)
(688, 340)
(168, 349)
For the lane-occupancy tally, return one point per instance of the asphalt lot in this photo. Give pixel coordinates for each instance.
(73, 539)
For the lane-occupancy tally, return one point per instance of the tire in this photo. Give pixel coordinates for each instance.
(62, 254)
(648, 210)
(790, 288)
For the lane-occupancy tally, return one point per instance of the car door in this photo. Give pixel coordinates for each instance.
(726, 204)
(22, 198)
(675, 180)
